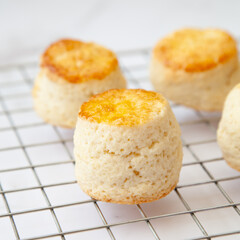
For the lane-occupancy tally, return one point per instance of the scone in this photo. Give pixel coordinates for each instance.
(127, 147)
(71, 72)
(228, 133)
(194, 67)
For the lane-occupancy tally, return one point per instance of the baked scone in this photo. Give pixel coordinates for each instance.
(127, 147)
(193, 67)
(228, 134)
(71, 72)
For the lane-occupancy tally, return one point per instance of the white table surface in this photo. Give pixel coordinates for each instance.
(27, 27)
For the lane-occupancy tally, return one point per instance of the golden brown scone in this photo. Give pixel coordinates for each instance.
(228, 133)
(194, 67)
(127, 147)
(71, 72)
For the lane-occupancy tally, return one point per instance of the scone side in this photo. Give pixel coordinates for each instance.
(227, 144)
(228, 133)
(132, 157)
(130, 200)
(202, 91)
(57, 102)
(233, 165)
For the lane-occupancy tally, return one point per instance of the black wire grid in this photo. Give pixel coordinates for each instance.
(39, 197)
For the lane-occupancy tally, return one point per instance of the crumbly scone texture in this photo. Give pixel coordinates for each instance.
(58, 102)
(77, 61)
(228, 134)
(132, 162)
(195, 50)
(204, 90)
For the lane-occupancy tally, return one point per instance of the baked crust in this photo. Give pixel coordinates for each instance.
(195, 50)
(129, 200)
(77, 61)
(234, 166)
(122, 164)
(123, 107)
(58, 101)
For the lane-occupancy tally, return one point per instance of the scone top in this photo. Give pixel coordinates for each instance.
(123, 107)
(77, 62)
(195, 50)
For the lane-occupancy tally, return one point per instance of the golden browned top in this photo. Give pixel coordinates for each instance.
(123, 107)
(77, 61)
(195, 50)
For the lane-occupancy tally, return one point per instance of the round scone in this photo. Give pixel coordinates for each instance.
(127, 147)
(71, 72)
(194, 67)
(228, 133)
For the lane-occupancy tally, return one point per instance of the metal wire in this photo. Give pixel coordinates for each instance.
(136, 82)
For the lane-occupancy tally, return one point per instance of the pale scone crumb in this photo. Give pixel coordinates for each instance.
(128, 165)
(228, 134)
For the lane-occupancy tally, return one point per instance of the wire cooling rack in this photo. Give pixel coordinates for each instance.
(39, 196)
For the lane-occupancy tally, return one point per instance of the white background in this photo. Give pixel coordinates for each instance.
(27, 26)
